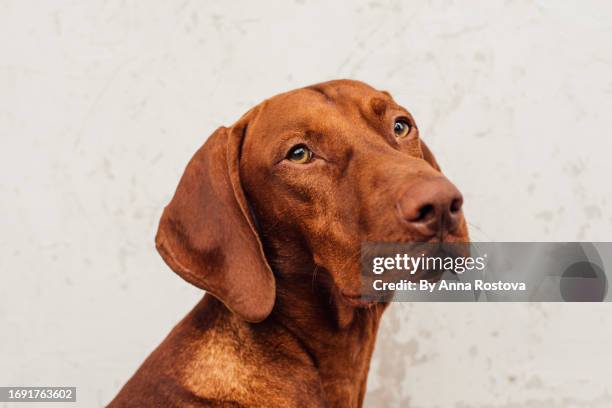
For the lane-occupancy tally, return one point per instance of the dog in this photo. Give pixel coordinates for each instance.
(268, 219)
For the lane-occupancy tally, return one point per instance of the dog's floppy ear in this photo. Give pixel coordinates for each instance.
(428, 156)
(206, 234)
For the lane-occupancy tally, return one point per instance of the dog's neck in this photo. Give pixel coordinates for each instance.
(338, 337)
(310, 323)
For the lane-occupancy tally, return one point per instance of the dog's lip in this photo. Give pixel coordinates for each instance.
(350, 295)
(355, 299)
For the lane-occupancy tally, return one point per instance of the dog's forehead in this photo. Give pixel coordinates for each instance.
(323, 106)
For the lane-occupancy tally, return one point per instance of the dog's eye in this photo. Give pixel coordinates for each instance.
(300, 154)
(401, 128)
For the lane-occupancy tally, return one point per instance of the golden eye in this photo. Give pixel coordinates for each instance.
(300, 154)
(401, 128)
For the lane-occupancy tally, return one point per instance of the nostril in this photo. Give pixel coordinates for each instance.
(456, 205)
(425, 212)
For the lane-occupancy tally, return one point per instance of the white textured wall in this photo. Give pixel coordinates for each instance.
(103, 102)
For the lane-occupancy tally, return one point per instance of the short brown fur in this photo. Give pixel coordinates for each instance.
(276, 246)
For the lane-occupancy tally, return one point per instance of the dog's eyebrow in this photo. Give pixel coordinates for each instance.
(379, 105)
(320, 91)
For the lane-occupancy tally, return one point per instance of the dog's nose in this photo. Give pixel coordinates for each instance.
(431, 207)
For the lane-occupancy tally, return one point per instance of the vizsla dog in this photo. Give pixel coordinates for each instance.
(268, 219)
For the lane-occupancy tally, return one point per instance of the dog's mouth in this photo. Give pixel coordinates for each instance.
(362, 295)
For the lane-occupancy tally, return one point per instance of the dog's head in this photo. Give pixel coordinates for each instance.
(313, 173)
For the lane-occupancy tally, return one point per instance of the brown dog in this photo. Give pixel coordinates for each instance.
(268, 218)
